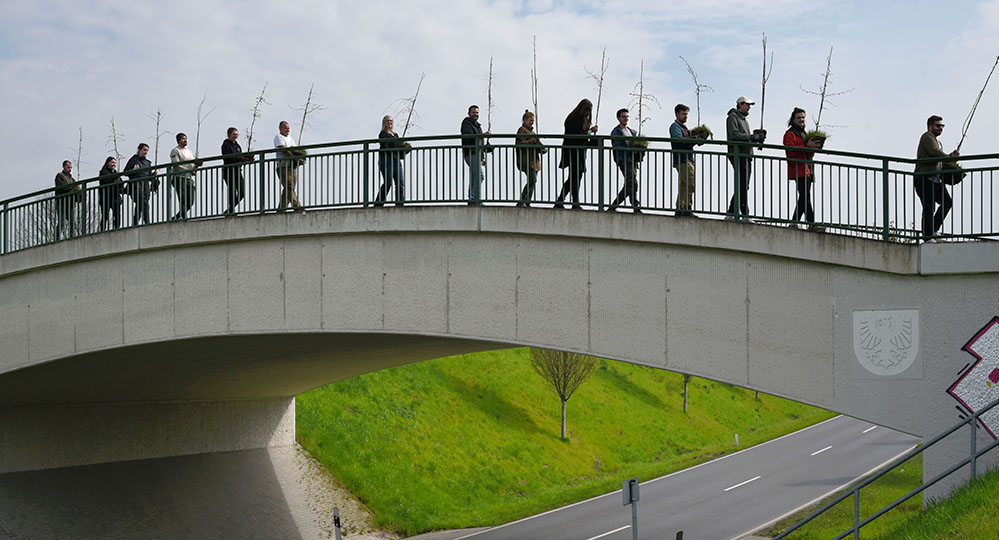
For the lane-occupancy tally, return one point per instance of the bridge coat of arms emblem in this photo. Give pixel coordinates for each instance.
(886, 342)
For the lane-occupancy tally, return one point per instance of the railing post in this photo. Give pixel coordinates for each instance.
(6, 231)
(886, 232)
(600, 176)
(168, 180)
(974, 449)
(856, 514)
(365, 175)
(262, 175)
(737, 196)
(82, 228)
(477, 177)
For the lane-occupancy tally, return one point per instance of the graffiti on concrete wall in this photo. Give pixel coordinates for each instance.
(978, 384)
(886, 342)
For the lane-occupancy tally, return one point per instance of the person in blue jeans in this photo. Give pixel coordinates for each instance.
(390, 154)
(472, 150)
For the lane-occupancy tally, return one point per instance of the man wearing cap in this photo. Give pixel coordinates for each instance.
(741, 155)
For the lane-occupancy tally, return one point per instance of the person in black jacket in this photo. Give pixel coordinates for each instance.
(574, 151)
(472, 149)
(141, 185)
(231, 173)
(109, 194)
(390, 163)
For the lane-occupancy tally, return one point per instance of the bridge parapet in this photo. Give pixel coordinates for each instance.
(855, 194)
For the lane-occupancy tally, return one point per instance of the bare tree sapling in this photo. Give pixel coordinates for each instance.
(201, 118)
(599, 79)
(564, 371)
(257, 104)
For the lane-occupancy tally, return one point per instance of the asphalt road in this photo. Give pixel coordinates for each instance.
(729, 497)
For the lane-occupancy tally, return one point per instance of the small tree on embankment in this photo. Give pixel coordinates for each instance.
(564, 371)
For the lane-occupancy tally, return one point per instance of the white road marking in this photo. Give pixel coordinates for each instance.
(820, 451)
(870, 429)
(609, 532)
(742, 483)
(675, 473)
(817, 499)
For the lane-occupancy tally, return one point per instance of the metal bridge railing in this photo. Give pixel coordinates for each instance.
(858, 522)
(854, 194)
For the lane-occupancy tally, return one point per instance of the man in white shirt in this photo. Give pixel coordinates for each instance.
(182, 176)
(287, 167)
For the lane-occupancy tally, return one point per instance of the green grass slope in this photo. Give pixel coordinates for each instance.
(970, 513)
(473, 440)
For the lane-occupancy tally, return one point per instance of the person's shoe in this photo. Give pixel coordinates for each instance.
(638, 210)
(577, 207)
(816, 228)
(611, 208)
(793, 226)
(730, 217)
(558, 205)
(521, 204)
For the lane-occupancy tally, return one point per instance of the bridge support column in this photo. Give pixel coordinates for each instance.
(46, 437)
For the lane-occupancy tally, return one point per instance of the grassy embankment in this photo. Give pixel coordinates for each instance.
(474, 440)
(971, 513)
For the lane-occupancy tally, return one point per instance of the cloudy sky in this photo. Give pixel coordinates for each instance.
(66, 65)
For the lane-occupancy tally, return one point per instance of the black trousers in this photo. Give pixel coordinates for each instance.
(528, 192)
(184, 186)
(744, 169)
(571, 184)
(630, 189)
(932, 194)
(804, 204)
(237, 187)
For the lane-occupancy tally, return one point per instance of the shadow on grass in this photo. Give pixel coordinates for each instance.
(622, 383)
(488, 402)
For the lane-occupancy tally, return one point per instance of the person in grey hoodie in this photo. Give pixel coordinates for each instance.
(741, 155)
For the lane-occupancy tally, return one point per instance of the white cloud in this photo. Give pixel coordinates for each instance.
(125, 59)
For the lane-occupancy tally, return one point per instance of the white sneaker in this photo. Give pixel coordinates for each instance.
(729, 218)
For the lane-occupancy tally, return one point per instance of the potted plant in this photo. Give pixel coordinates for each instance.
(702, 132)
(640, 145)
(816, 137)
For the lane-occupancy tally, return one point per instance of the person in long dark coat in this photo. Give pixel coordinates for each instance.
(574, 151)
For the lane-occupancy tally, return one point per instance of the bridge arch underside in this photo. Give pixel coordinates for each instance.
(256, 309)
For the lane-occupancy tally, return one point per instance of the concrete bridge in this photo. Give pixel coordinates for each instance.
(192, 338)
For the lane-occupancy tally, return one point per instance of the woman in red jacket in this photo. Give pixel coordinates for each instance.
(799, 169)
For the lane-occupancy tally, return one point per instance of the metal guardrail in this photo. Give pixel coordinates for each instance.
(854, 492)
(854, 194)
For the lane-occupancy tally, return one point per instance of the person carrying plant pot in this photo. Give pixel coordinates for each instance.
(528, 157)
(288, 162)
(391, 151)
(683, 160)
(741, 155)
(574, 148)
(927, 179)
(799, 168)
(627, 161)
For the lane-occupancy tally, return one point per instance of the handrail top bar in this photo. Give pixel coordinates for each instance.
(162, 168)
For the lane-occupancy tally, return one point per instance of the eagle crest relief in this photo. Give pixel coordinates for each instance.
(886, 342)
